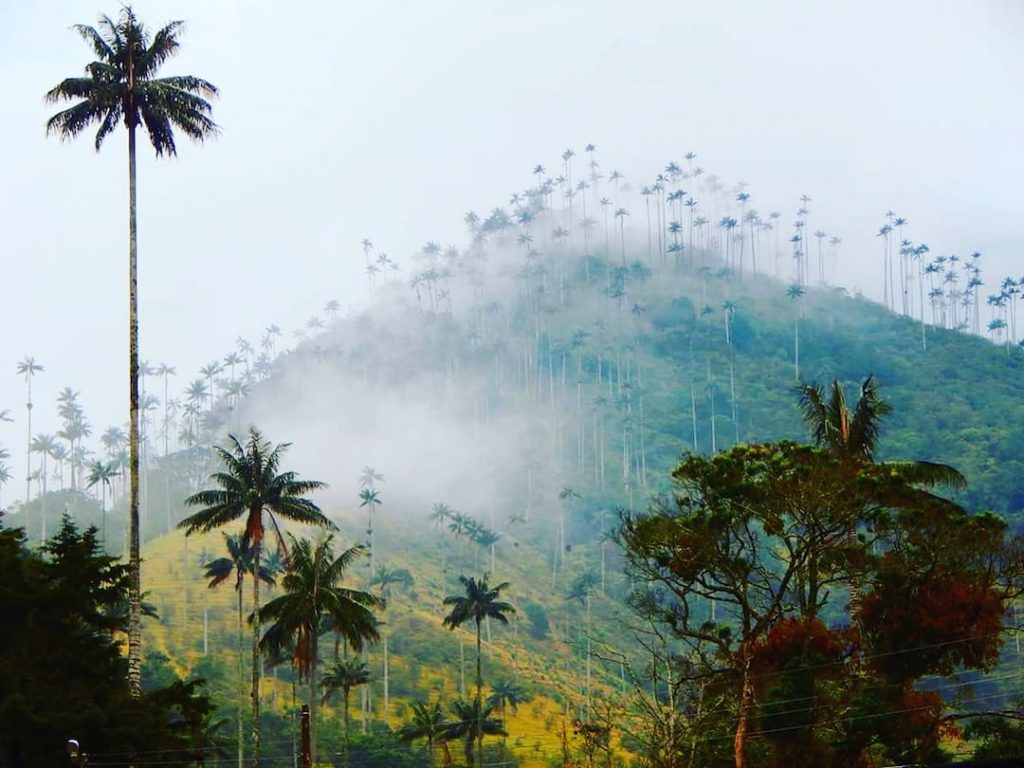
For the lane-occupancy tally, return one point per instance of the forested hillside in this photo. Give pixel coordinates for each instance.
(496, 410)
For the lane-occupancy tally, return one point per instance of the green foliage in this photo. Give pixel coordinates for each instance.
(61, 670)
(765, 531)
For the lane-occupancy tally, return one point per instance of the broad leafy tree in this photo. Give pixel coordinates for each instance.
(121, 85)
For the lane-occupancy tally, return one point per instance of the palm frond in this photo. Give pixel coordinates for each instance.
(95, 40)
(928, 473)
(164, 45)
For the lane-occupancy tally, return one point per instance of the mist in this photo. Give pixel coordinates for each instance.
(431, 112)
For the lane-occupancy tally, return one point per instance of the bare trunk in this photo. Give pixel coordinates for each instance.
(241, 682)
(255, 694)
(314, 694)
(386, 683)
(134, 557)
(479, 704)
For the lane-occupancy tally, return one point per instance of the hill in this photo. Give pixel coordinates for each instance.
(534, 383)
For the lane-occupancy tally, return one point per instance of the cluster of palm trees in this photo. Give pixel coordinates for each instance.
(251, 487)
(948, 288)
(466, 526)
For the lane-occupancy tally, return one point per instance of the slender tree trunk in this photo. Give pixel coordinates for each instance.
(255, 694)
(28, 442)
(386, 682)
(796, 347)
(314, 693)
(479, 704)
(241, 682)
(134, 557)
(346, 693)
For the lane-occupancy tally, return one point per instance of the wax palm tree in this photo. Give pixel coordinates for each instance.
(369, 498)
(505, 695)
(472, 722)
(852, 435)
(210, 370)
(428, 722)
(166, 371)
(621, 214)
(441, 513)
(314, 602)
(249, 486)
(122, 85)
(240, 561)
(102, 474)
(344, 675)
(385, 579)
(479, 602)
(28, 368)
(796, 294)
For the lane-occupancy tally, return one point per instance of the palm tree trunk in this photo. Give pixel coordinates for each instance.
(241, 683)
(134, 559)
(255, 694)
(28, 443)
(314, 694)
(479, 704)
(345, 692)
(386, 681)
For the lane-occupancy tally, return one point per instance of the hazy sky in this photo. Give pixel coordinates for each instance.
(389, 120)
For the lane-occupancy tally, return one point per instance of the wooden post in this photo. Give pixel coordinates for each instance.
(306, 756)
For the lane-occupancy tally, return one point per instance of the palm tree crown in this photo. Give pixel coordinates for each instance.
(313, 603)
(121, 85)
(314, 600)
(250, 484)
(853, 435)
(479, 602)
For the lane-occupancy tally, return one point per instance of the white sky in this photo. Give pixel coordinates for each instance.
(389, 120)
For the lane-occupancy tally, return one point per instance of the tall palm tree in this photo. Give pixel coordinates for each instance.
(239, 562)
(166, 371)
(479, 602)
(344, 675)
(313, 602)
(121, 84)
(796, 294)
(102, 474)
(43, 445)
(505, 694)
(249, 486)
(369, 498)
(28, 368)
(385, 579)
